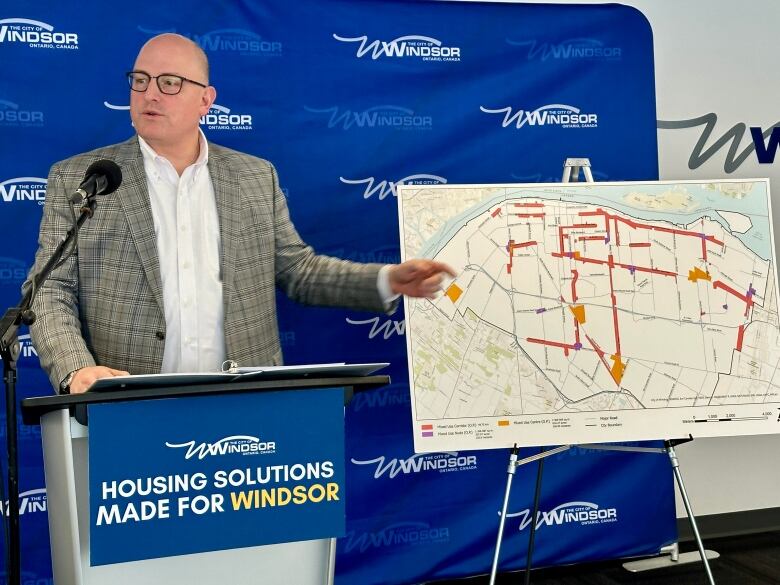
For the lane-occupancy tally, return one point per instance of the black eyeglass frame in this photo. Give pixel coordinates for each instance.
(130, 74)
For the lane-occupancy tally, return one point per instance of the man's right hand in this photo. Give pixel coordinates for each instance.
(85, 377)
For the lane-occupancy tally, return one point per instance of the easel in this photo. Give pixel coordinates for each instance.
(571, 172)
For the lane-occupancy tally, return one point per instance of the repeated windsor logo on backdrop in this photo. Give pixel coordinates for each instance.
(13, 115)
(36, 34)
(371, 186)
(396, 534)
(223, 118)
(383, 117)
(30, 502)
(560, 115)
(26, 348)
(227, 40)
(579, 48)
(23, 190)
(419, 463)
(382, 327)
(384, 397)
(569, 513)
(419, 47)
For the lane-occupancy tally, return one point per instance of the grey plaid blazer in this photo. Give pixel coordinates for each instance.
(104, 305)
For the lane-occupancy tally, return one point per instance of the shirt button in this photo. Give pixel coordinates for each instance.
(160, 335)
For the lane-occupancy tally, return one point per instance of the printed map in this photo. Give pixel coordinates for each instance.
(592, 312)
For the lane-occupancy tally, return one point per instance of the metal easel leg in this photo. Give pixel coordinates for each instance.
(684, 495)
(675, 557)
(514, 463)
(534, 521)
(510, 474)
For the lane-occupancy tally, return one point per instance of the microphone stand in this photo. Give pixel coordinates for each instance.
(9, 351)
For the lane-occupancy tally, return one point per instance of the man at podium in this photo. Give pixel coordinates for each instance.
(177, 270)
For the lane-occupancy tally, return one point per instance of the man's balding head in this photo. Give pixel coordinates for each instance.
(183, 44)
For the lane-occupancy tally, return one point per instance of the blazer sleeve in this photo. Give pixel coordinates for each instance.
(315, 279)
(56, 332)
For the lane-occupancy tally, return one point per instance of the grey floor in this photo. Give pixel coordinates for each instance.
(745, 560)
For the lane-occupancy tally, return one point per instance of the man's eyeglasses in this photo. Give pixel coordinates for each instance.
(167, 83)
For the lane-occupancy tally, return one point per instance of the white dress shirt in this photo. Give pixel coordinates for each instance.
(186, 226)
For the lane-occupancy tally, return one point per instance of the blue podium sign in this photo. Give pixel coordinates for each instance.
(178, 476)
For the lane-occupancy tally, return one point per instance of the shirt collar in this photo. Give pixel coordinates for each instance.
(152, 158)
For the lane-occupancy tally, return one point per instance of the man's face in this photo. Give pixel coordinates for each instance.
(169, 121)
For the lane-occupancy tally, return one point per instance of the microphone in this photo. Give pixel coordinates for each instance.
(102, 177)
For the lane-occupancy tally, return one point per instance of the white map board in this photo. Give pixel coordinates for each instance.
(592, 312)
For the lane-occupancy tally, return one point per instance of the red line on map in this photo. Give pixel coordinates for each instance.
(596, 348)
(645, 269)
(529, 204)
(496, 212)
(589, 260)
(617, 233)
(617, 371)
(574, 286)
(740, 335)
(728, 289)
(527, 215)
(666, 230)
(565, 346)
(600, 353)
(511, 247)
(614, 306)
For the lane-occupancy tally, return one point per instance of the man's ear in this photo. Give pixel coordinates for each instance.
(209, 96)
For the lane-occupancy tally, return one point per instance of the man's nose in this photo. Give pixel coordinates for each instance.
(152, 92)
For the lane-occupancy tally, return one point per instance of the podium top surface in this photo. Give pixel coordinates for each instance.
(34, 408)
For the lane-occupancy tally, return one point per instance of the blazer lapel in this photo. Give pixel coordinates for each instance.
(228, 197)
(134, 199)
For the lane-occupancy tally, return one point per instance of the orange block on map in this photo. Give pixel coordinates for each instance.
(618, 368)
(579, 313)
(454, 292)
(698, 274)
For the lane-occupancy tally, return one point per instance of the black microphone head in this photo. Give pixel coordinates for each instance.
(108, 169)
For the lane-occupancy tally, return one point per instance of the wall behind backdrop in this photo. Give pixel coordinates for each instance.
(349, 99)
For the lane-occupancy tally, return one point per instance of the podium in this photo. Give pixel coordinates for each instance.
(65, 430)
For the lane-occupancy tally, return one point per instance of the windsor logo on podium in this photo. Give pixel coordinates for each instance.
(215, 472)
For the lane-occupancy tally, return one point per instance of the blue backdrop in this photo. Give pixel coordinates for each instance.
(349, 99)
